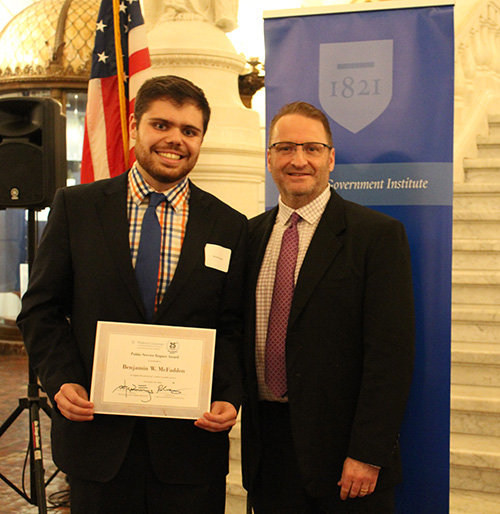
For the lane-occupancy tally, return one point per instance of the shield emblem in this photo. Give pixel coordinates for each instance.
(355, 81)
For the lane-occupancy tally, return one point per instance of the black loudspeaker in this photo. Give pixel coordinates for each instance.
(32, 152)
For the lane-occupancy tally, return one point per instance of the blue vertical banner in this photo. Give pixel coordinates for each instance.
(384, 74)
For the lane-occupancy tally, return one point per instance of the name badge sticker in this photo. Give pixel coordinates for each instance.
(217, 257)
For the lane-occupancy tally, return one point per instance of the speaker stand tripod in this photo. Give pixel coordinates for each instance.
(33, 403)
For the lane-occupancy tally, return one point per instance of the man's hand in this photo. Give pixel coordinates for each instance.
(73, 403)
(358, 479)
(222, 416)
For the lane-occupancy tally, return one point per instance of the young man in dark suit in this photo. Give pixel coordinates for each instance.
(328, 366)
(84, 273)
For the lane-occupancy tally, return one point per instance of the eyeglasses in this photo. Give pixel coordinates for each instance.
(286, 148)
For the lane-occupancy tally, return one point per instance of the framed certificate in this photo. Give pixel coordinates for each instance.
(152, 370)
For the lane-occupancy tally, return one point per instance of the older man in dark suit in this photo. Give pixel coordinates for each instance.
(330, 337)
(87, 270)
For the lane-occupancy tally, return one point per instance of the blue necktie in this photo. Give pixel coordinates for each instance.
(148, 255)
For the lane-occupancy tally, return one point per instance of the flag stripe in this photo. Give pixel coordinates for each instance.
(136, 38)
(87, 170)
(113, 126)
(135, 83)
(138, 61)
(96, 131)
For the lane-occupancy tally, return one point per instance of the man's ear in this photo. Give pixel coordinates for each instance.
(332, 160)
(132, 126)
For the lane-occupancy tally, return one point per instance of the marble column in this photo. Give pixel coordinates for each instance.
(188, 39)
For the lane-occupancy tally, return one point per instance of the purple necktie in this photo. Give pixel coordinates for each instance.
(284, 284)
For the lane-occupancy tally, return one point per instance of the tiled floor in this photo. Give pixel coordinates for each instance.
(14, 442)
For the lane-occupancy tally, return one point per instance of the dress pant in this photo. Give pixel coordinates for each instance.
(136, 490)
(279, 488)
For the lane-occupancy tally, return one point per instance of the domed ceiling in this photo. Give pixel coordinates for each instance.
(49, 43)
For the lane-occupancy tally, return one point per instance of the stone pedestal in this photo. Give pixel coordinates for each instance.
(232, 159)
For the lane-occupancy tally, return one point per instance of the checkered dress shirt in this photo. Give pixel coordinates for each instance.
(172, 215)
(310, 214)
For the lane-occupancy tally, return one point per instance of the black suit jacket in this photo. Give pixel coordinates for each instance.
(83, 273)
(349, 346)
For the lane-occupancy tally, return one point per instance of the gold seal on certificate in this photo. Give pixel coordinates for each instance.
(152, 370)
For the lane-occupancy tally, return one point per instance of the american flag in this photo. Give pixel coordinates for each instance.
(120, 64)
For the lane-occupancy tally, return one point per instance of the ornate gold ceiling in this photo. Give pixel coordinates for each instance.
(49, 45)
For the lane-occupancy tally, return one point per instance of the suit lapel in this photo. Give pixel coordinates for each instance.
(260, 232)
(322, 251)
(112, 212)
(198, 229)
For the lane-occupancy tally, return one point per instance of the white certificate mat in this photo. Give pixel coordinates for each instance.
(152, 370)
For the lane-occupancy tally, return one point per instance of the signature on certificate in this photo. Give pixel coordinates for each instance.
(145, 391)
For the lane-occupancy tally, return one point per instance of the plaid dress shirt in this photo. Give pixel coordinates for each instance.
(172, 215)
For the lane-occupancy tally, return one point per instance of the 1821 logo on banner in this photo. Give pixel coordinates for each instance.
(355, 81)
